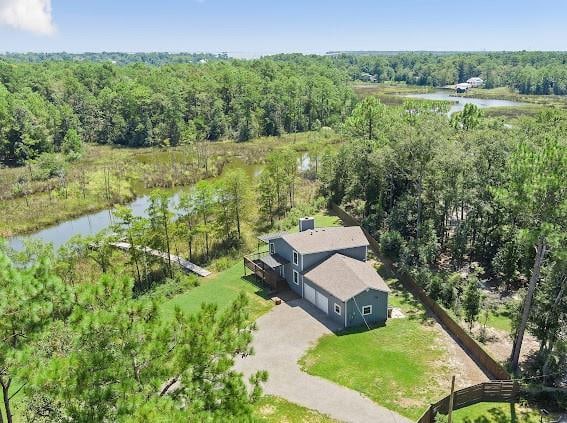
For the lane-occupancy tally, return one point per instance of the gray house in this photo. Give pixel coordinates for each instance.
(327, 267)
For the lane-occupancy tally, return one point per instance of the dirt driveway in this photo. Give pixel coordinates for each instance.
(283, 336)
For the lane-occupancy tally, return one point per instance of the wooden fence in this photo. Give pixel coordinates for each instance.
(491, 367)
(493, 391)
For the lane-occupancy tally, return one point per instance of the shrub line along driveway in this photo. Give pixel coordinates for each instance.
(283, 336)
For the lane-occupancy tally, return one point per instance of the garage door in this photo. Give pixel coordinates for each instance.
(322, 302)
(316, 298)
(309, 294)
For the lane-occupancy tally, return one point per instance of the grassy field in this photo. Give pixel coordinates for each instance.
(496, 413)
(389, 93)
(272, 409)
(400, 365)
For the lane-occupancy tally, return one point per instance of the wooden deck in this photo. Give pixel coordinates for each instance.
(268, 276)
(184, 264)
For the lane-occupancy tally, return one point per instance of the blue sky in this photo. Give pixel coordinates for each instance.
(256, 26)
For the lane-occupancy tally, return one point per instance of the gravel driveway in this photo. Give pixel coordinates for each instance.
(283, 336)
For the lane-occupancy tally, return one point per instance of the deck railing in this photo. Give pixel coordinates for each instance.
(267, 275)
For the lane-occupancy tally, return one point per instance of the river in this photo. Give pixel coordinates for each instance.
(91, 224)
(458, 102)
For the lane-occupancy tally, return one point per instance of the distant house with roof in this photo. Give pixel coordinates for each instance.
(327, 267)
(475, 82)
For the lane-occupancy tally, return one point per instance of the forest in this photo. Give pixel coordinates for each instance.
(57, 106)
(54, 103)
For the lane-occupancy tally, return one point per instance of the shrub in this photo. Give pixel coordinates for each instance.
(49, 165)
(391, 244)
(222, 263)
(435, 287)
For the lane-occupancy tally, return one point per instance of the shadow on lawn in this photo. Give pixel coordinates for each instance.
(415, 309)
(264, 291)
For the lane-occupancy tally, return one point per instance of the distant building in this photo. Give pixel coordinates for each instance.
(367, 77)
(463, 87)
(475, 82)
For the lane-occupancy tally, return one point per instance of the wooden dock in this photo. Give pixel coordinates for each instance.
(184, 264)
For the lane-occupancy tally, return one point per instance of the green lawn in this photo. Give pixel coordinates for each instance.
(495, 413)
(275, 410)
(400, 366)
(499, 319)
(221, 289)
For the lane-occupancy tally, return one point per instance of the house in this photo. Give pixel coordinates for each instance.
(475, 82)
(368, 77)
(463, 87)
(327, 267)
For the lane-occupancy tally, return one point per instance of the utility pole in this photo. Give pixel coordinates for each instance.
(451, 399)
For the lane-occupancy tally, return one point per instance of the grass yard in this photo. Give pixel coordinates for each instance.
(499, 319)
(496, 413)
(272, 409)
(221, 289)
(398, 366)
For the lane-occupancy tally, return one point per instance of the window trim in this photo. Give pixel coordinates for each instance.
(338, 306)
(272, 248)
(295, 272)
(370, 312)
(295, 257)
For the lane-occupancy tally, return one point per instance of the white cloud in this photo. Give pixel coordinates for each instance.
(27, 15)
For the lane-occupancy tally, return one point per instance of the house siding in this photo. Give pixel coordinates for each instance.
(286, 251)
(379, 302)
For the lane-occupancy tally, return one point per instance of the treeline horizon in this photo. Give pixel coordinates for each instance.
(55, 106)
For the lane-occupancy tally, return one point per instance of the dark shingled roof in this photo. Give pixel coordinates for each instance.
(326, 239)
(345, 277)
(269, 237)
(273, 260)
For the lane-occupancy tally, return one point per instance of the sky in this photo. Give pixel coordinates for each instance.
(255, 27)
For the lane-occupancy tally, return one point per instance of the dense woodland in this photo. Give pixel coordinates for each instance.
(55, 106)
(51, 102)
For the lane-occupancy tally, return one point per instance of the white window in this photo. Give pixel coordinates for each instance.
(295, 257)
(366, 310)
(337, 309)
(272, 248)
(295, 277)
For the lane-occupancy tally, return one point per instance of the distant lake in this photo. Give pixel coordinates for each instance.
(458, 102)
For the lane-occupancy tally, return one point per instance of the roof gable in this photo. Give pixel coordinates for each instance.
(345, 277)
(326, 239)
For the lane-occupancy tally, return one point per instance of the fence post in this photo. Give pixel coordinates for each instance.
(451, 400)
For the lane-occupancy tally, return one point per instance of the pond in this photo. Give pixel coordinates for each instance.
(460, 101)
(93, 223)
